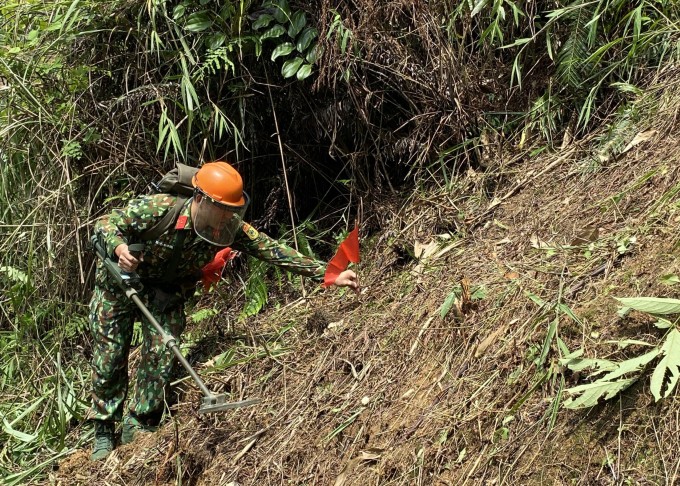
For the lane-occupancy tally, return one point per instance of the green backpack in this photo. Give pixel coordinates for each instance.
(176, 182)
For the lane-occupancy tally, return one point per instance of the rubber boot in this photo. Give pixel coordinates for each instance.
(131, 426)
(104, 439)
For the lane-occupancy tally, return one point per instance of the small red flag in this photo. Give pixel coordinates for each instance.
(348, 251)
(212, 272)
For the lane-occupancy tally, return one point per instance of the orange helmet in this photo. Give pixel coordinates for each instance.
(221, 182)
(219, 203)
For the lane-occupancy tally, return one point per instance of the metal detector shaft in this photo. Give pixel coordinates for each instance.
(169, 341)
(211, 402)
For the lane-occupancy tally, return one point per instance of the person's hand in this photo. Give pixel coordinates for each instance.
(126, 261)
(348, 279)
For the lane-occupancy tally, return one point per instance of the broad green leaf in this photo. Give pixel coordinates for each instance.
(262, 21)
(632, 365)
(663, 323)
(281, 10)
(575, 363)
(304, 72)
(291, 66)
(273, 33)
(306, 38)
(178, 12)
(584, 396)
(668, 369)
(297, 22)
(626, 88)
(215, 41)
(652, 305)
(283, 50)
(479, 293)
(670, 279)
(448, 302)
(198, 21)
(314, 54)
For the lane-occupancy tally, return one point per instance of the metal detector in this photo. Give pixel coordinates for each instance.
(211, 402)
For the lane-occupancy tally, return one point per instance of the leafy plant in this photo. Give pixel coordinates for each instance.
(294, 40)
(621, 375)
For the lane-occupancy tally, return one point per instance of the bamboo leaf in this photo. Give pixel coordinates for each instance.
(22, 436)
(478, 7)
(652, 305)
(668, 369)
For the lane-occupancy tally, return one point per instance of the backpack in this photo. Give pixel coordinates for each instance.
(176, 182)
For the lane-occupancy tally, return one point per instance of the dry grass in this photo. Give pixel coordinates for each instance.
(381, 390)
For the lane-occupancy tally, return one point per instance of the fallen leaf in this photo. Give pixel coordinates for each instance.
(512, 275)
(367, 455)
(586, 235)
(639, 138)
(536, 242)
(491, 338)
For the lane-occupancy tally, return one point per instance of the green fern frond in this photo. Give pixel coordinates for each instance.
(572, 68)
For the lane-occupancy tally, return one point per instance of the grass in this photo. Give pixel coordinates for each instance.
(97, 99)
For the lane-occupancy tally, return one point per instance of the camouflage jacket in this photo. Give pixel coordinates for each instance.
(124, 226)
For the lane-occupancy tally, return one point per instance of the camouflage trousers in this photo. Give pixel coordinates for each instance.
(112, 317)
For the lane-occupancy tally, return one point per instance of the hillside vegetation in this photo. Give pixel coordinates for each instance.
(514, 169)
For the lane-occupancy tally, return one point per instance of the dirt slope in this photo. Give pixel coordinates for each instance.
(381, 390)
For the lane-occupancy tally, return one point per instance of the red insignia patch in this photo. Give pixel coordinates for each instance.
(181, 222)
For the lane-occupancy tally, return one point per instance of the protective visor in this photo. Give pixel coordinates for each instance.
(216, 222)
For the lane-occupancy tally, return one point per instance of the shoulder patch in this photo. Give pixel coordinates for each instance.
(181, 222)
(250, 231)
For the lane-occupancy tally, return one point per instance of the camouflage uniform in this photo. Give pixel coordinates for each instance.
(112, 314)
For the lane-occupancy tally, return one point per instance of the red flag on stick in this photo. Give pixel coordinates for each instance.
(212, 272)
(348, 251)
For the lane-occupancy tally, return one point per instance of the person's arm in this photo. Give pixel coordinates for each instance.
(264, 248)
(121, 225)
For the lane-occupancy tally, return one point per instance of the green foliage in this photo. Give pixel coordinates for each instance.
(623, 374)
(255, 289)
(289, 31)
(598, 49)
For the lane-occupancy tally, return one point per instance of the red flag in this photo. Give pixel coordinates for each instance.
(212, 272)
(348, 251)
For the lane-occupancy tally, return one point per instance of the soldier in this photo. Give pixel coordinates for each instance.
(169, 269)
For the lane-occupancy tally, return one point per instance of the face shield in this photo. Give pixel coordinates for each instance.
(215, 222)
